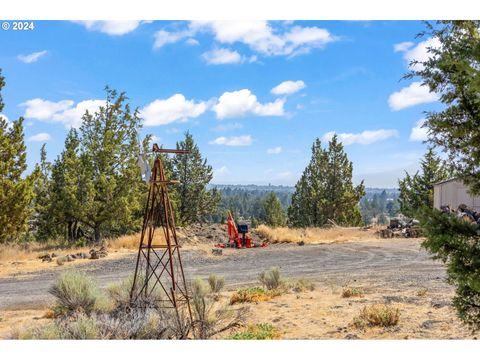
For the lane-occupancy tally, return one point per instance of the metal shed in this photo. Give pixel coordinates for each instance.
(453, 192)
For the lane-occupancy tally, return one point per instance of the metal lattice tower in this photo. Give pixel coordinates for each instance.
(159, 266)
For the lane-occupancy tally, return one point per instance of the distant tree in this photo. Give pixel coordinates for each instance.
(195, 201)
(274, 214)
(16, 191)
(416, 190)
(325, 190)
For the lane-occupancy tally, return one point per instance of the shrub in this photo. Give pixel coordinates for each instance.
(377, 315)
(253, 294)
(422, 292)
(270, 279)
(216, 283)
(348, 292)
(302, 285)
(262, 331)
(74, 292)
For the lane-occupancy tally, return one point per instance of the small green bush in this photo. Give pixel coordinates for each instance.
(253, 294)
(74, 292)
(262, 331)
(216, 283)
(271, 278)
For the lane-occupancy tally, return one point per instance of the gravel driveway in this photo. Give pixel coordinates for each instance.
(393, 263)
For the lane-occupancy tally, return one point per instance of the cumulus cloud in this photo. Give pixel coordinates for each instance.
(222, 56)
(242, 102)
(243, 140)
(39, 137)
(419, 133)
(412, 95)
(64, 111)
(175, 108)
(33, 57)
(364, 138)
(274, 150)
(111, 27)
(288, 87)
(163, 37)
(192, 41)
(419, 52)
(260, 36)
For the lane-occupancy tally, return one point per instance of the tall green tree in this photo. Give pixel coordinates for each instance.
(452, 70)
(416, 190)
(16, 191)
(193, 200)
(273, 212)
(41, 219)
(325, 190)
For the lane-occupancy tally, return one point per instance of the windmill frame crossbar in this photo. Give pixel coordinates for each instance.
(159, 269)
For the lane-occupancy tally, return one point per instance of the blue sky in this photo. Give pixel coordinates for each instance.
(254, 95)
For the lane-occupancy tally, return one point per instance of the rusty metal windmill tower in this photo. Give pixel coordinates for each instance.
(159, 266)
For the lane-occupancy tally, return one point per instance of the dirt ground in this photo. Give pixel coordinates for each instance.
(393, 271)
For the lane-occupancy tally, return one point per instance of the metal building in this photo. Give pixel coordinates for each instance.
(453, 192)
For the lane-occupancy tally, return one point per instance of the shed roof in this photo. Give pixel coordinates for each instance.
(446, 181)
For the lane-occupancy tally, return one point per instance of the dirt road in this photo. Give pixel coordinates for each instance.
(394, 264)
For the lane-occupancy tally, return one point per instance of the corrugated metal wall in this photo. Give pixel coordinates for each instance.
(454, 193)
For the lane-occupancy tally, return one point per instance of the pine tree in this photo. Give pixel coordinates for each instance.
(273, 211)
(16, 192)
(194, 201)
(325, 191)
(41, 218)
(416, 190)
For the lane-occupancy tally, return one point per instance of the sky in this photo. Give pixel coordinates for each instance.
(255, 95)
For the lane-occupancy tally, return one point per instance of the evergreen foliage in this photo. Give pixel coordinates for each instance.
(325, 190)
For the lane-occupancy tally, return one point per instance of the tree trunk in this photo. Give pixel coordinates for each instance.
(97, 233)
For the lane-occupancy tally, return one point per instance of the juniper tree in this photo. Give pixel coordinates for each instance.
(193, 200)
(16, 191)
(325, 190)
(273, 212)
(416, 190)
(452, 70)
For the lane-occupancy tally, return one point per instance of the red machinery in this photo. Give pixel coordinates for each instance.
(238, 235)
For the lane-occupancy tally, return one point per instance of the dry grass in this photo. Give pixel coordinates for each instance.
(349, 292)
(254, 294)
(314, 235)
(377, 315)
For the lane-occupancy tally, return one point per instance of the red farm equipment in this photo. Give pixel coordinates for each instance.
(238, 235)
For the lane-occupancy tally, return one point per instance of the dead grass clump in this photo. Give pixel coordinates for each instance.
(348, 292)
(253, 294)
(124, 242)
(377, 315)
(301, 285)
(422, 292)
(314, 235)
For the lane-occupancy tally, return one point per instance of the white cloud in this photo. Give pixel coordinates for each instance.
(259, 36)
(243, 140)
(418, 132)
(222, 56)
(364, 138)
(64, 111)
(288, 87)
(221, 170)
(228, 127)
(412, 95)
(192, 41)
(243, 102)
(403, 46)
(111, 27)
(40, 137)
(418, 53)
(163, 37)
(4, 117)
(175, 108)
(31, 58)
(274, 150)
